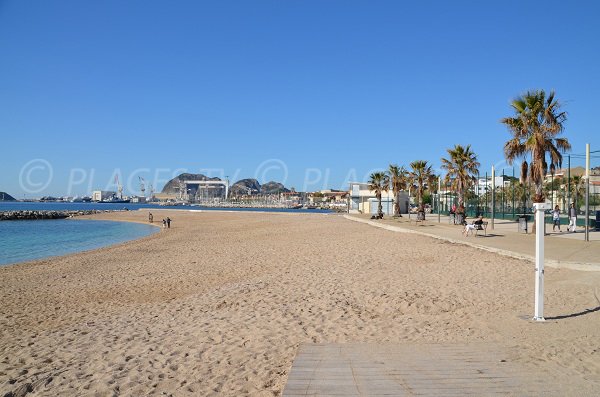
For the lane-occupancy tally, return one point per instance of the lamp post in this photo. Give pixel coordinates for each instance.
(438, 197)
(587, 191)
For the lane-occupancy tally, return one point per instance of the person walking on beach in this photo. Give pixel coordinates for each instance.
(164, 223)
(572, 218)
(168, 222)
(556, 219)
(150, 217)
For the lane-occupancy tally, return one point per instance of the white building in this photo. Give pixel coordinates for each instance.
(100, 195)
(363, 201)
(484, 184)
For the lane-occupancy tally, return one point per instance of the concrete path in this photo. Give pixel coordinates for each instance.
(568, 250)
(411, 370)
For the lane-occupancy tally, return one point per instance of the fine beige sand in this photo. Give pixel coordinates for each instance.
(219, 303)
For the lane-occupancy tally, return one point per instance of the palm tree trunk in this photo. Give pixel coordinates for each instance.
(396, 205)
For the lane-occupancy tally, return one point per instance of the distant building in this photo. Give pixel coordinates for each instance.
(485, 184)
(363, 201)
(199, 190)
(328, 196)
(100, 195)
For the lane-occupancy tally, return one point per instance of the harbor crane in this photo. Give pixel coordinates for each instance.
(142, 186)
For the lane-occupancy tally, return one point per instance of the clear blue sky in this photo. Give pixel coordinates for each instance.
(342, 87)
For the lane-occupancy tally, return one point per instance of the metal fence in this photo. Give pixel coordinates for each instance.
(509, 198)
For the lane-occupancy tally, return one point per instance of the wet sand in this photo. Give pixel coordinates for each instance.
(219, 303)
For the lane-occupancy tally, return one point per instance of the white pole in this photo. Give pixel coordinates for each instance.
(539, 261)
(493, 195)
(439, 196)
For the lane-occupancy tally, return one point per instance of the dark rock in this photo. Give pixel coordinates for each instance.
(6, 197)
(172, 187)
(273, 188)
(245, 187)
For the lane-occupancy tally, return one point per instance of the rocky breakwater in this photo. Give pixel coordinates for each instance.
(29, 214)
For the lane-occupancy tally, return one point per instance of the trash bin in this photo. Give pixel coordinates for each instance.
(598, 221)
(523, 223)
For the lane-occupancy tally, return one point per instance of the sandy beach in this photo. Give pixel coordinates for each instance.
(219, 303)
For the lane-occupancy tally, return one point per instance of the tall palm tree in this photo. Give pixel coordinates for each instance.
(535, 126)
(379, 183)
(398, 178)
(577, 189)
(461, 170)
(421, 175)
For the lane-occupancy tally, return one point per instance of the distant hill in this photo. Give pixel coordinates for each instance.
(245, 186)
(273, 188)
(240, 188)
(252, 186)
(172, 187)
(6, 197)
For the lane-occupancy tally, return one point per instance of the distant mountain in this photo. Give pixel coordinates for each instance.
(6, 197)
(172, 187)
(240, 188)
(273, 188)
(245, 186)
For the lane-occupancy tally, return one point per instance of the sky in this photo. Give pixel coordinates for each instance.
(313, 94)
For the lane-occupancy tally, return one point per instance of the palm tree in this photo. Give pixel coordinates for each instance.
(421, 175)
(461, 168)
(398, 178)
(379, 183)
(577, 189)
(535, 126)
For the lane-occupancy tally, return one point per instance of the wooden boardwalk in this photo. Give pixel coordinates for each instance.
(410, 370)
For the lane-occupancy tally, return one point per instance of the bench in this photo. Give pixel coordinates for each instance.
(420, 217)
(470, 227)
(483, 227)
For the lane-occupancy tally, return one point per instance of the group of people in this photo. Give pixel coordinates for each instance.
(572, 219)
(166, 222)
(555, 220)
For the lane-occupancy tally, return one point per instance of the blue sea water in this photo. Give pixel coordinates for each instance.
(58, 206)
(26, 240)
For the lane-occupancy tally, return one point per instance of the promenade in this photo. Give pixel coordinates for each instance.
(562, 249)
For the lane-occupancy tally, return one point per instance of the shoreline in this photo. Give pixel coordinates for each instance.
(88, 217)
(220, 303)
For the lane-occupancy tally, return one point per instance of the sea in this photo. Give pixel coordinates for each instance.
(26, 240)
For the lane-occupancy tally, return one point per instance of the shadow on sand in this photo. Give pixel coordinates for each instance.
(582, 313)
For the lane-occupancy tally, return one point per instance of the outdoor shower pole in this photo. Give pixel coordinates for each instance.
(539, 261)
(587, 191)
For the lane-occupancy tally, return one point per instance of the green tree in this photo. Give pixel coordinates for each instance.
(421, 176)
(379, 183)
(461, 170)
(535, 127)
(577, 190)
(398, 178)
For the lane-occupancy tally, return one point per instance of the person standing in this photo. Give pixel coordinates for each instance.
(150, 217)
(556, 219)
(168, 222)
(164, 223)
(572, 218)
